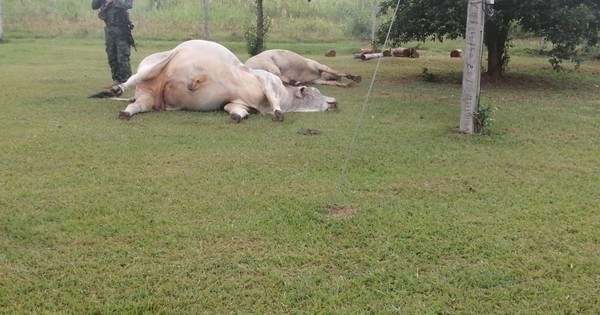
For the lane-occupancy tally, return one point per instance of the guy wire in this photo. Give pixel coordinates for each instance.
(343, 172)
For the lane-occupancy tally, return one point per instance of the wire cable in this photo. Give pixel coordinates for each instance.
(343, 172)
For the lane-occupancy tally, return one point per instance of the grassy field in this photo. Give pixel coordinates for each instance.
(187, 213)
(291, 21)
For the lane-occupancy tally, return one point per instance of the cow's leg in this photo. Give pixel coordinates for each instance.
(237, 112)
(272, 68)
(278, 115)
(330, 77)
(118, 90)
(328, 73)
(149, 68)
(143, 103)
(355, 78)
(272, 89)
(334, 83)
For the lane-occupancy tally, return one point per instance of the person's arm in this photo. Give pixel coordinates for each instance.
(96, 4)
(123, 4)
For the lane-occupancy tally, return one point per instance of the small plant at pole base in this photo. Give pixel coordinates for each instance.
(483, 120)
(254, 44)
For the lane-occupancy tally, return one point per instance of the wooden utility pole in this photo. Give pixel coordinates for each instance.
(472, 66)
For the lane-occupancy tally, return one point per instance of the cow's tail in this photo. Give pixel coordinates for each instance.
(127, 100)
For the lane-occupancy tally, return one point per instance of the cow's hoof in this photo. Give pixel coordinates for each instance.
(117, 91)
(357, 79)
(332, 106)
(235, 118)
(278, 115)
(123, 115)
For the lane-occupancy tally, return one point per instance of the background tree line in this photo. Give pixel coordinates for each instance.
(571, 26)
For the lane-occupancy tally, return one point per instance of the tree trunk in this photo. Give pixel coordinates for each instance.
(205, 9)
(1, 22)
(260, 26)
(496, 38)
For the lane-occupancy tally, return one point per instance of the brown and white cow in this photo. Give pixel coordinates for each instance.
(205, 76)
(294, 69)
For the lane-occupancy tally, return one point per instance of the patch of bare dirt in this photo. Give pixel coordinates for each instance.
(341, 211)
(309, 132)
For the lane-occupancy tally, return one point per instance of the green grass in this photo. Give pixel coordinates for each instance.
(292, 21)
(187, 213)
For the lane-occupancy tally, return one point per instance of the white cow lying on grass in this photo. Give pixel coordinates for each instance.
(205, 76)
(294, 69)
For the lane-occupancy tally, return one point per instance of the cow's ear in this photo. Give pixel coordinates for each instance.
(300, 91)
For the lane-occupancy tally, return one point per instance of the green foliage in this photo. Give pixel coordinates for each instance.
(361, 23)
(428, 76)
(360, 28)
(484, 120)
(593, 52)
(567, 24)
(254, 44)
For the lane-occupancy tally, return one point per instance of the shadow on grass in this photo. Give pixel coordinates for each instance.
(540, 80)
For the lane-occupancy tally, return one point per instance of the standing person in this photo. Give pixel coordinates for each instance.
(117, 36)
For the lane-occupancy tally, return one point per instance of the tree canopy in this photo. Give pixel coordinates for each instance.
(567, 24)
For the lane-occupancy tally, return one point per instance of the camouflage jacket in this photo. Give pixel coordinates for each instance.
(114, 13)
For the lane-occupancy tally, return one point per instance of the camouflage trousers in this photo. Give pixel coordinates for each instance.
(118, 51)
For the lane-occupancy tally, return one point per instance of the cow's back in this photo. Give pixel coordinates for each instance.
(155, 64)
(286, 64)
(210, 49)
(285, 60)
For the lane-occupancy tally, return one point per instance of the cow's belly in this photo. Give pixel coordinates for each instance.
(196, 102)
(200, 89)
(302, 76)
(179, 96)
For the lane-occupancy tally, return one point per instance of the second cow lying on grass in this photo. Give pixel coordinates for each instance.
(294, 69)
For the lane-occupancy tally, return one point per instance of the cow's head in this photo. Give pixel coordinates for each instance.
(308, 99)
(291, 98)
